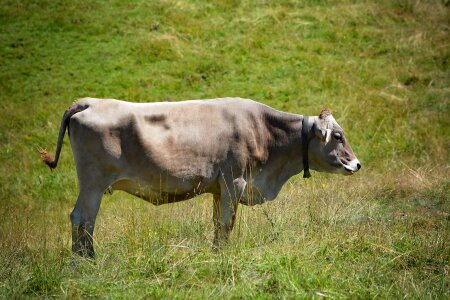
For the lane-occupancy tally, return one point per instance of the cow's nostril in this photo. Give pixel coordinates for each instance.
(358, 166)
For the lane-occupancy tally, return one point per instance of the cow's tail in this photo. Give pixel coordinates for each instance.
(73, 109)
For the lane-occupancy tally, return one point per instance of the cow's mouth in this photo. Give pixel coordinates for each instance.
(349, 171)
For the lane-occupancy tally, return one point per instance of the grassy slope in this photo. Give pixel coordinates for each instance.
(383, 67)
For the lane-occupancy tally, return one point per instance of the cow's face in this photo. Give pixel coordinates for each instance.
(329, 150)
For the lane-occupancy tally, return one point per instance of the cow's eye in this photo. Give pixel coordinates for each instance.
(338, 136)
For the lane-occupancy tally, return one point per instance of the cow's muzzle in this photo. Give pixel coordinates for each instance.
(353, 166)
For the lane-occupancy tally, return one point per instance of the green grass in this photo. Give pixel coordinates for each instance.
(382, 66)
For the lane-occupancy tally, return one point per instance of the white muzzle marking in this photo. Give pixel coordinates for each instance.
(353, 166)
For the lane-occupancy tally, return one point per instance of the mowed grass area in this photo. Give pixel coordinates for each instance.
(382, 67)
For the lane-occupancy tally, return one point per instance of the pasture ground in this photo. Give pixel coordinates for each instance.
(382, 66)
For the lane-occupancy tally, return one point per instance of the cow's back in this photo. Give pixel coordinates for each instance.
(185, 142)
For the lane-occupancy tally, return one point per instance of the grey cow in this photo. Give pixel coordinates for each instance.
(239, 150)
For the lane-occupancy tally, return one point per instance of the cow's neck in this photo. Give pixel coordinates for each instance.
(284, 154)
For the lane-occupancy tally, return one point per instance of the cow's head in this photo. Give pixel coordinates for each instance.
(329, 150)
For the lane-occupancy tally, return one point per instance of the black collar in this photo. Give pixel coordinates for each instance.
(305, 143)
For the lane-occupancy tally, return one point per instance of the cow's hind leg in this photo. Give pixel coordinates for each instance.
(83, 221)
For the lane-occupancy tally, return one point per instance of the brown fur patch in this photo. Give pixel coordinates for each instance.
(155, 118)
(325, 113)
(158, 119)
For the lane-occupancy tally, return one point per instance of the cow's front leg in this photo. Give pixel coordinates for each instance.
(224, 210)
(83, 221)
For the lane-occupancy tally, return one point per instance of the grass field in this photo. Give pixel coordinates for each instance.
(381, 66)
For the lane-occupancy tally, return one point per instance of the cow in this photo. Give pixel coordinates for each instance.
(238, 150)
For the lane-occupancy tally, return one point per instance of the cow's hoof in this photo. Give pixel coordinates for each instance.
(73, 263)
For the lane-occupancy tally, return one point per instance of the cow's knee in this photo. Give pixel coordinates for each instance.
(239, 185)
(75, 217)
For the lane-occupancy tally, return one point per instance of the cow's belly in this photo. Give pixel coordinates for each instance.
(159, 194)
